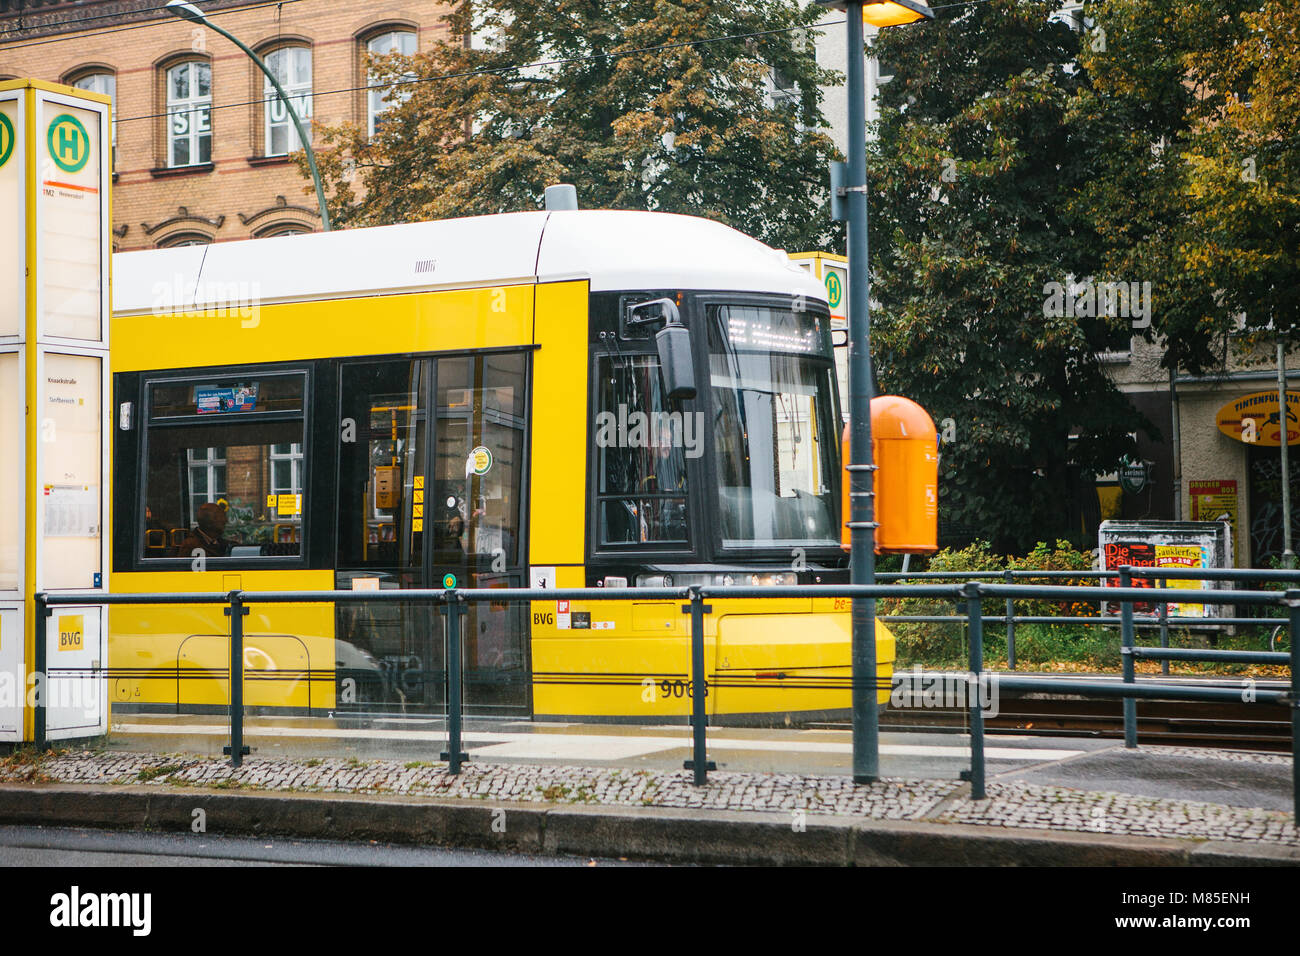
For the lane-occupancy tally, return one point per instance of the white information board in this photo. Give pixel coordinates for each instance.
(13, 674)
(69, 294)
(12, 238)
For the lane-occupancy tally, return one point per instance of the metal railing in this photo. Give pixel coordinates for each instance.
(968, 595)
(1162, 621)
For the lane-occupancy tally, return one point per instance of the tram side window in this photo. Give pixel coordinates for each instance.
(226, 471)
(641, 451)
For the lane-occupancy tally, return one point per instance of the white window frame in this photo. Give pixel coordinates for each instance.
(104, 82)
(382, 45)
(196, 109)
(297, 82)
(208, 465)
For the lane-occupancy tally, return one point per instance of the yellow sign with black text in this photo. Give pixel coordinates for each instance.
(1256, 419)
(72, 632)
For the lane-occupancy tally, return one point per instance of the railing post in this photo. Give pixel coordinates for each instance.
(975, 619)
(1164, 629)
(453, 755)
(1126, 655)
(1010, 577)
(236, 612)
(39, 664)
(699, 761)
(1293, 601)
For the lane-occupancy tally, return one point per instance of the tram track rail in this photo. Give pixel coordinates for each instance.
(1234, 726)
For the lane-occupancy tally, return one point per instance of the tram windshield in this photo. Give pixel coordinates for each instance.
(774, 433)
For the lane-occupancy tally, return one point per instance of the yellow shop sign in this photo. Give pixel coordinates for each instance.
(1256, 419)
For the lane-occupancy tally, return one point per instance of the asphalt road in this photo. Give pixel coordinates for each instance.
(54, 847)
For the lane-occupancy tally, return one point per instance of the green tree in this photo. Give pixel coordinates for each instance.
(557, 92)
(1192, 114)
(973, 169)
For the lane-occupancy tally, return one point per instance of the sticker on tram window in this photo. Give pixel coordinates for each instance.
(479, 461)
(209, 401)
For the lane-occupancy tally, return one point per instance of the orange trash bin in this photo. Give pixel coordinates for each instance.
(905, 449)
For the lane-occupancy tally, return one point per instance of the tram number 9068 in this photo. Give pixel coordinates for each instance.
(679, 688)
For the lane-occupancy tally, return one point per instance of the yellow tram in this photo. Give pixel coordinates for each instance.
(501, 401)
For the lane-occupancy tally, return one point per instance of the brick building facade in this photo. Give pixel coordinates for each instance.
(201, 141)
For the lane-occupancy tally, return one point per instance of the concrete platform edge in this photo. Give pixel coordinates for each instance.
(666, 835)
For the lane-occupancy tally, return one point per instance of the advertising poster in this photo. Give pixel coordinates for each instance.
(1161, 545)
(1182, 557)
(1215, 501)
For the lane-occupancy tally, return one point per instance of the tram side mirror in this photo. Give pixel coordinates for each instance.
(673, 342)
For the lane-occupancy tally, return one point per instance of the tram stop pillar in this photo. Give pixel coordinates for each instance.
(55, 176)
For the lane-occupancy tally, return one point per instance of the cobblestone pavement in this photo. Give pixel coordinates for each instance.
(1010, 803)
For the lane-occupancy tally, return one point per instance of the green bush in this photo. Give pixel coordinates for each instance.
(944, 644)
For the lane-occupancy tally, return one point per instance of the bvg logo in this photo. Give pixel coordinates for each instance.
(69, 143)
(6, 138)
(72, 631)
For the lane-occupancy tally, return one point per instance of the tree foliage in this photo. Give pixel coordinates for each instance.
(1193, 112)
(973, 171)
(557, 92)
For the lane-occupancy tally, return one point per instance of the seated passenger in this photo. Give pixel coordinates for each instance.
(207, 536)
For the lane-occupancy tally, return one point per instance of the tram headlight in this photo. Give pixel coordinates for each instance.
(654, 580)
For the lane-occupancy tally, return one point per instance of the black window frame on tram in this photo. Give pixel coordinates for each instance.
(617, 346)
(148, 424)
(819, 554)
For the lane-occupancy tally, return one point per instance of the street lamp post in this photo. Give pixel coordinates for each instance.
(187, 11)
(861, 518)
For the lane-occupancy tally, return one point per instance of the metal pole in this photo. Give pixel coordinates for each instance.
(293, 115)
(974, 700)
(1288, 556)
(1175, 415)
(1293, 599)
(1126, 655)
(1164, 630)
(1011, 625)
(236, 612)
(866, 718)
(39, 664)
(699, 761)
(453, 755)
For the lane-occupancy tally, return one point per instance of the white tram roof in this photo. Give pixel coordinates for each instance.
(612, 249)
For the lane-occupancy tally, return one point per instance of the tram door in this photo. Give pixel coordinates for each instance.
(431, 491)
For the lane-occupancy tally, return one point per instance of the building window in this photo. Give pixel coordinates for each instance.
(189, 114)
(281, 229)
(292, 68)
(184, 239)
(105, 83)
(207, 477)
(380, 97)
